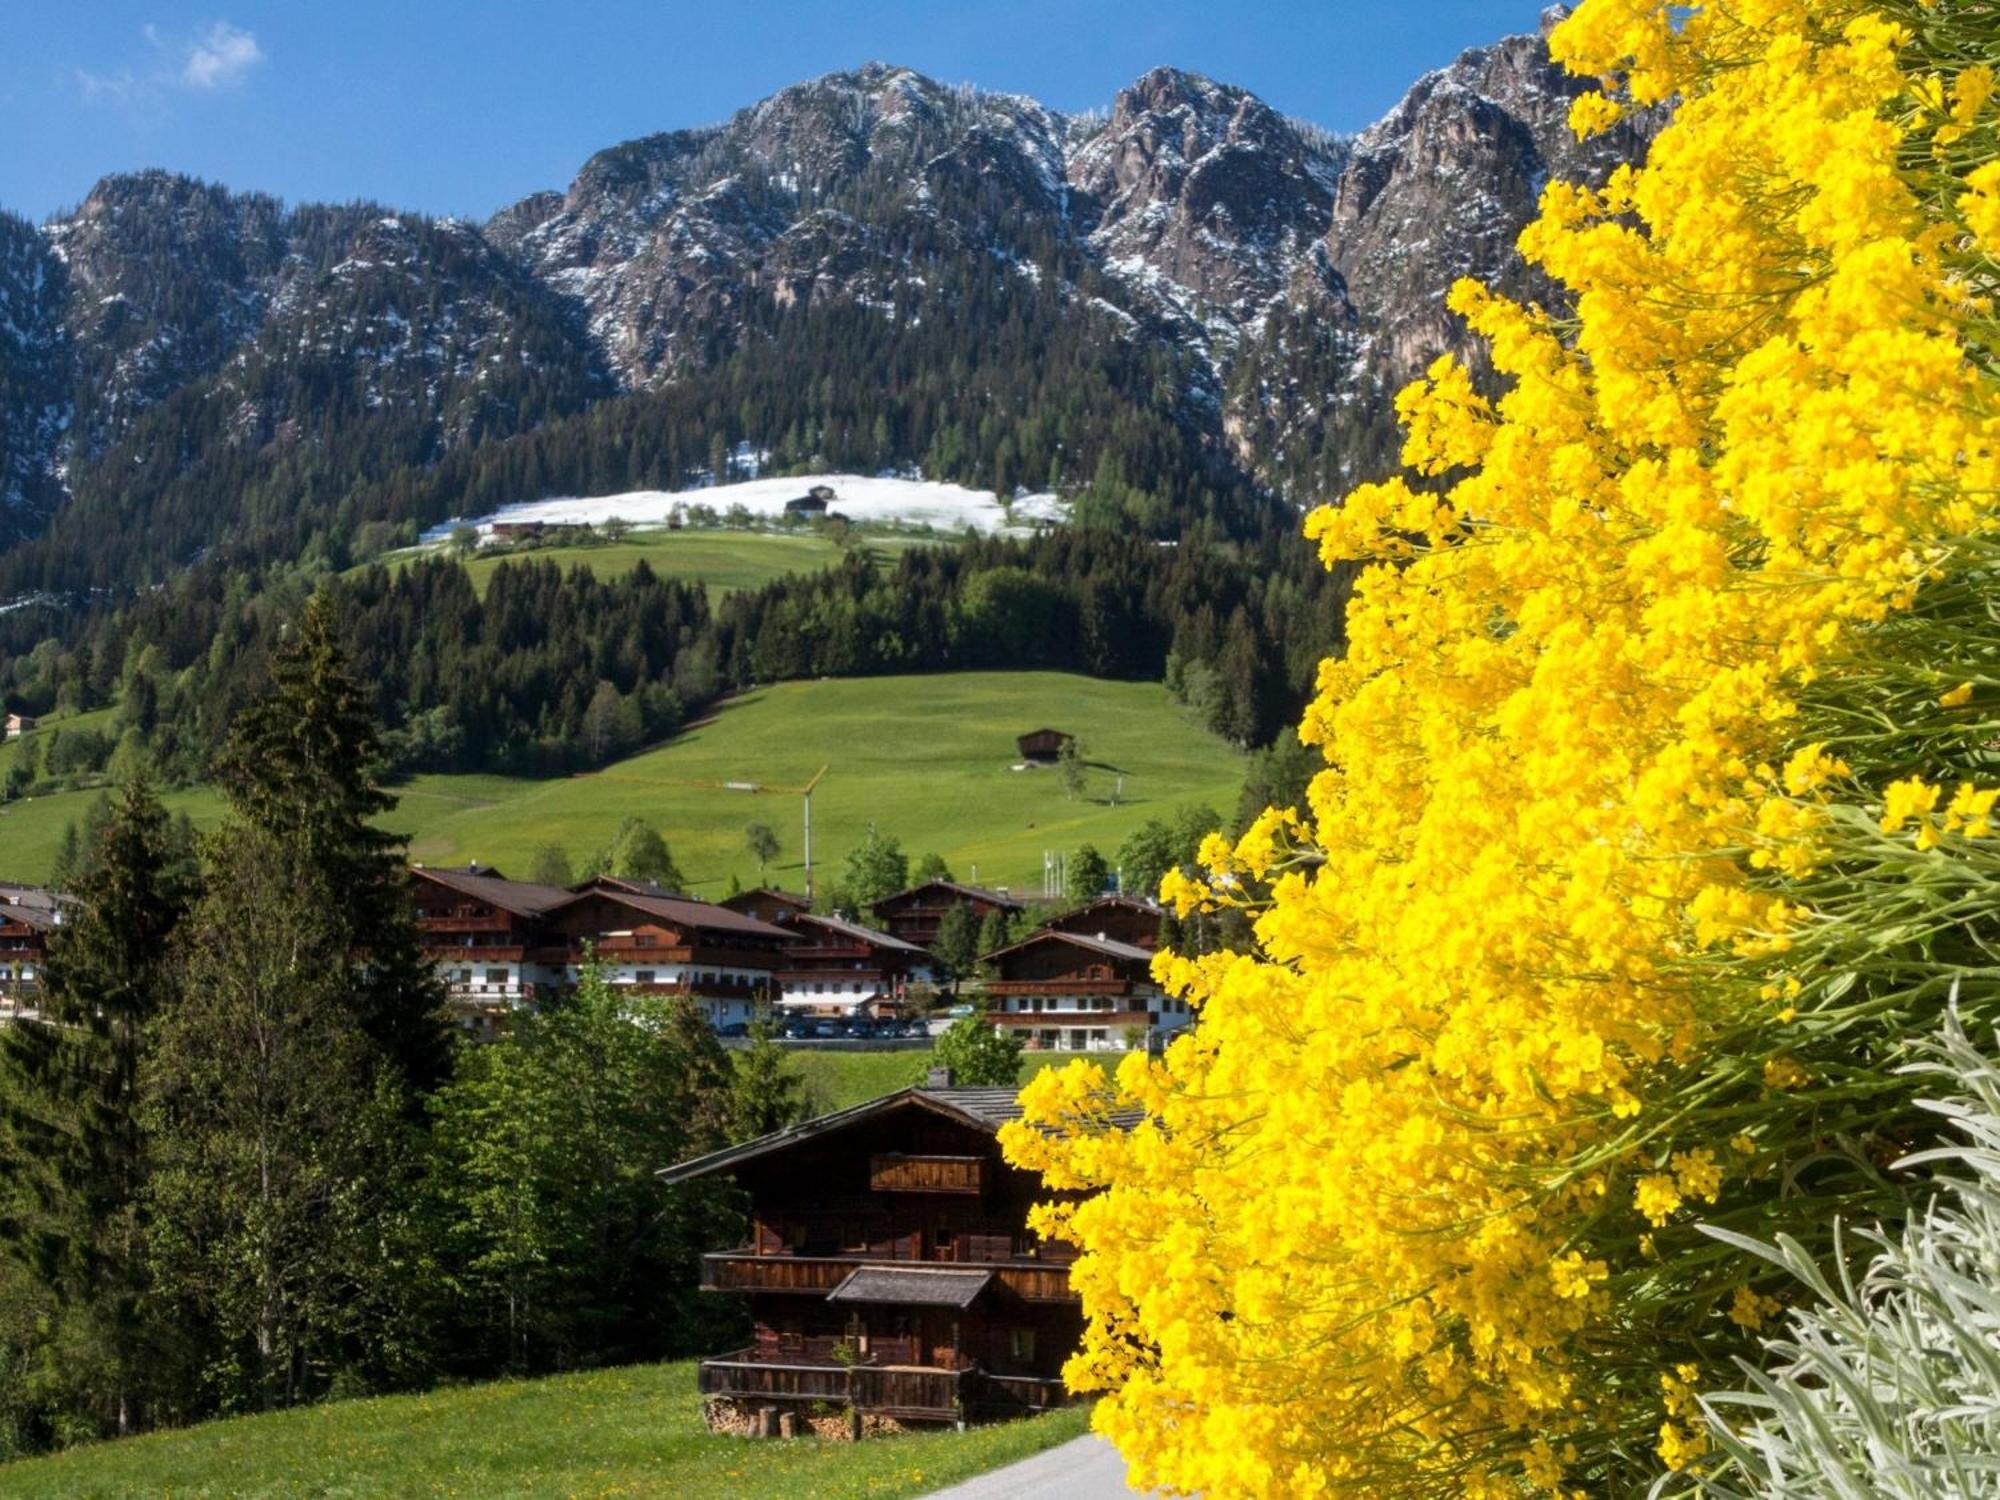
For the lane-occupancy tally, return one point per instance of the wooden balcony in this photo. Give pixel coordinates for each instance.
(740, 1271)
(1079, 986)
(896, 1173)
(1031, 1020)
(917, 1391)
(816, 1275)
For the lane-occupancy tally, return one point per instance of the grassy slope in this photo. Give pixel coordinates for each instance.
(631, 1432)
(725, 560)
(31, 831)
(924, 758)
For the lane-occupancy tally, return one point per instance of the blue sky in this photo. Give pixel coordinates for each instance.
(460, 106)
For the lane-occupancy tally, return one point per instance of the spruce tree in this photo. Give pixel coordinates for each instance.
(768, 1093)
(273, 1186)
(995, 933)
(300, 765)
(75, 1152)
(957, 943)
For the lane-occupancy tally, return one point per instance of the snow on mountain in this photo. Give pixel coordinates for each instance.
(863, 499)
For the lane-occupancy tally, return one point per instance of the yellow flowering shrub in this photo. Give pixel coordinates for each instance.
(1399, 1187)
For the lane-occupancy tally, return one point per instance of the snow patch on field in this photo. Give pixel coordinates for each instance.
(860, 498)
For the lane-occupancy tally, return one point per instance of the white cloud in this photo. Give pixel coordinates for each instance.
(222, 57)
(218, 58)
(106, 88)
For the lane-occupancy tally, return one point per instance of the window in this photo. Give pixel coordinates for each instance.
(644, 976)
(1021, 1344)
(496, 976)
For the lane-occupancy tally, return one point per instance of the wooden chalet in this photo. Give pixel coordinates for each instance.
(1042, 746)
(889, 1269)
(1123, 919)
(767, 904)
(916, 914)
(502, 943)
(1072, 992)
(18, 725)
(490, 938)
(662, 944)
(840, 968)
(29, 916)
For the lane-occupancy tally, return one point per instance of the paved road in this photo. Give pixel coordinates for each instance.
(1086, 1468)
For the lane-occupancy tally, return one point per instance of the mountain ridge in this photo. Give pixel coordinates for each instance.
(1278, 279)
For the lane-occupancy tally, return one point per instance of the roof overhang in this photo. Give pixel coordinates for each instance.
(911, 1286)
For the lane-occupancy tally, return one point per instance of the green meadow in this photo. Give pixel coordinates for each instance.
(928, 759)
(836, 1080)
(634, 1431)
(724, 560)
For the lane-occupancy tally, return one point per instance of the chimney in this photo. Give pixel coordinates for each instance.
(937, 1078)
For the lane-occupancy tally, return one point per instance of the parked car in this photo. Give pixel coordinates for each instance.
(735, 1028)
(826, 1030)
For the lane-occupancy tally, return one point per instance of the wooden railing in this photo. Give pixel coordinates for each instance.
(908, 1390)
(896, 1173)
(1076, 986)
(1037, 1283)
(741, 1271)
(739, 1374)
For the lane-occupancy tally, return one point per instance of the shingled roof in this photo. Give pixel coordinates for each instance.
(522, 897)
(1108, 947)
(845, 928)
(912, 1286)
(965, 892)
(986, 1108)
(682, 911)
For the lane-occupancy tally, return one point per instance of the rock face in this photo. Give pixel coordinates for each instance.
(1201, 195)
(35, 410)
(1440, 188)
(1293, 277)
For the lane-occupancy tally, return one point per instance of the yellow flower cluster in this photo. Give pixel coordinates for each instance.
(1348, 1252)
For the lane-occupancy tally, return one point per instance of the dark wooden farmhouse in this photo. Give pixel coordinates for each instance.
(890, 1270)
(916, 914)
(1123, 919)
(1043, 745)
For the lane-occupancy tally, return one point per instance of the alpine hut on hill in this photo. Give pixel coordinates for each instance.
(1042, 746)
(889, 1270)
